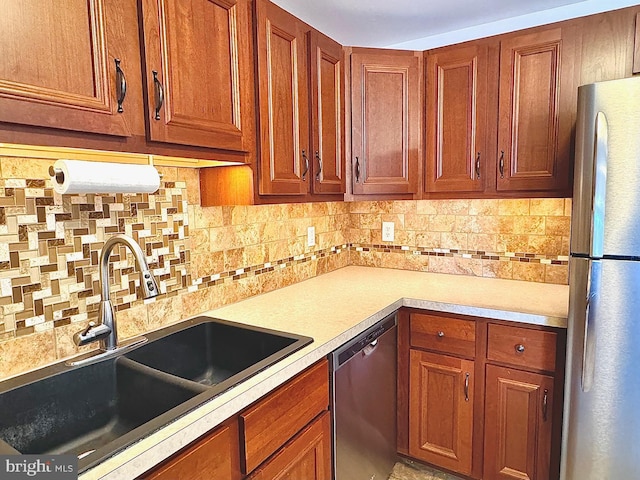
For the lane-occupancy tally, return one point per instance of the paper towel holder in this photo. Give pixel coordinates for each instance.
(57, 174)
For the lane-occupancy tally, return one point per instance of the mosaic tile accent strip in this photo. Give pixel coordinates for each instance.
(50, 246)
(475, 254)
(268, 267)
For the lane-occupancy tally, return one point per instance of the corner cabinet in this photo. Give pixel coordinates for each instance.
(301, 109)
(63, 66)
(386, 113)
(480, 398)
(199, 73)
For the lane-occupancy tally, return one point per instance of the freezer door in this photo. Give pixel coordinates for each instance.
(601, 431)
(605, 218)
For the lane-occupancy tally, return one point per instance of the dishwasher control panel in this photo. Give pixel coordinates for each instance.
(369, 336)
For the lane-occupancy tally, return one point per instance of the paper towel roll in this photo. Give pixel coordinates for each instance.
(75, 176)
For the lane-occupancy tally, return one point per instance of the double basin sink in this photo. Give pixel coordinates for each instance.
(95, 410)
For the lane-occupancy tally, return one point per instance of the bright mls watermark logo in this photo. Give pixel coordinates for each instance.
(45, 467)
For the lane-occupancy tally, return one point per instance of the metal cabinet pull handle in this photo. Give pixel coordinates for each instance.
(319, 166)
(545, 401)
(520, 348)
(501, 163)
(121, 85)
(440, 334)
(306, 165)
(478, 166)
(357, 170)
(159, 94)
(466, 387)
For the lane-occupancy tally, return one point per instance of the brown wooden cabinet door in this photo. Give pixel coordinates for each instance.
(285, 160)
(58, 67)
(518, 424)
(456, 100)
(326, 69)
(198, 61)
(307, 456)
(216, 456)
(535, 112)
(386, 112)
(441, 410)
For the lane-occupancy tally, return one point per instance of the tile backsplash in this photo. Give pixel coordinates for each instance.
(208, 257)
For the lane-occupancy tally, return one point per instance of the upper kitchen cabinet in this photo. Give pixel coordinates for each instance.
(456, 118)
(536, 111)
(326, 74)
(386, 112)
(65, 64)
(301, 91)
(199, 73)
(285, 159)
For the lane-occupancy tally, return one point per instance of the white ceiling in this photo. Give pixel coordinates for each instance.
(422, 24)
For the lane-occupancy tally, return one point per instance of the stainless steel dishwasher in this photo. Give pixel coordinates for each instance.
(364, 404)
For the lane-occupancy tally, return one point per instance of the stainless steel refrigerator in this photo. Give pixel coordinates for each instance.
(601, 429)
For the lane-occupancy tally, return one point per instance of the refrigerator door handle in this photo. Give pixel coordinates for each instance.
(589, 350)
(600, 155)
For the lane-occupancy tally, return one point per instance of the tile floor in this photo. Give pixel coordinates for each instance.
(408, 470)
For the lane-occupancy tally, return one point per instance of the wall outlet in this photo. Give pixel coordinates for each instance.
(387, 231)
(311, 236)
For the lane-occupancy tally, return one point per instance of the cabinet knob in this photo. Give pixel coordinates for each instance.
(440, 334)
(478, 166)
(520, 348)
(501, 164)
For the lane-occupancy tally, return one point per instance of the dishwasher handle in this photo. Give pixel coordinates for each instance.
(366, 342)
(368, 349)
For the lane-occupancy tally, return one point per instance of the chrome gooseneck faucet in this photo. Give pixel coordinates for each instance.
(106, 330)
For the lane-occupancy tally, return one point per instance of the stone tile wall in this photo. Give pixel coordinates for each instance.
(209, 257)
(520, 239)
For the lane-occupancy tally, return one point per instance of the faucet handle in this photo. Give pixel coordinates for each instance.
(91, 333)
(90, 325)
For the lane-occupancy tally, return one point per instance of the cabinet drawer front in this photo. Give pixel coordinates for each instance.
(215, 456)
(444, 334)
(270, 423)
(522, 346)
(307, 456)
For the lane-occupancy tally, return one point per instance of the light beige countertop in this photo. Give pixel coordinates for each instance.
(332, 309)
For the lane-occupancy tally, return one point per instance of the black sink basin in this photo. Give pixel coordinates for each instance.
(212, 352)
(83, 409)
(95, 410)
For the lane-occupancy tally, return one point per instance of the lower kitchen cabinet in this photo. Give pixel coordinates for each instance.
(214, 456)
(441, 410)
(479, 397)
(307, 456)
(518, 421)
(284, 435)
(271, 422)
